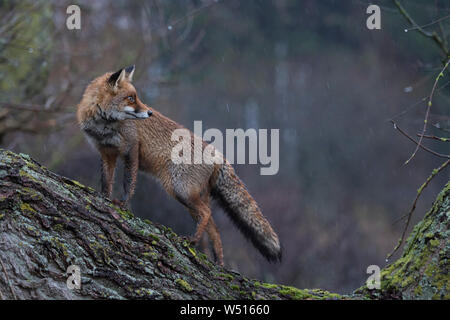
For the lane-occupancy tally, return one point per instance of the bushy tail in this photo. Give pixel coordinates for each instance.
(243, 210)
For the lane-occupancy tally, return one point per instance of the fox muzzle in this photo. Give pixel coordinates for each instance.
(138, 115)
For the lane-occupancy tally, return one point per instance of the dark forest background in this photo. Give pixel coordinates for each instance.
(309, 68)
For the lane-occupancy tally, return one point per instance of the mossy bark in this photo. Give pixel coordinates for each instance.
(423, 271)
(49, 222)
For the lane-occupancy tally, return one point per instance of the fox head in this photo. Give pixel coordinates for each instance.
(113, 98)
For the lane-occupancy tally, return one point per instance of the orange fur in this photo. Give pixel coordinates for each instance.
(145, 144)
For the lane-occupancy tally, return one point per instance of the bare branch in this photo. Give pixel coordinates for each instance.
(441, 74)
(440, 155)
(442, 139)
(409, 214)
(418, 102)
(429, 24)
(432, 35)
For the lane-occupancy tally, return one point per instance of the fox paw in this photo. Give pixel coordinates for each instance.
(192, 241)
(121, 204)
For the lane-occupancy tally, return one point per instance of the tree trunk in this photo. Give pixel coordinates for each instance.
(49, 222)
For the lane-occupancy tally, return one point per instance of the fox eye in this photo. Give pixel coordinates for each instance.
(131, 99)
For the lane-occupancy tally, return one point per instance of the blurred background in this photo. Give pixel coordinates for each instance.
(309, 68)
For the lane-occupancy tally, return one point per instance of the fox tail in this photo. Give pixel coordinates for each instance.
(243, 210)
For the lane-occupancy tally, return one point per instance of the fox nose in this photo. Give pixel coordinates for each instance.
(149, 112)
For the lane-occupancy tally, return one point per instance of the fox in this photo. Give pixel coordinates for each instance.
(121, 126)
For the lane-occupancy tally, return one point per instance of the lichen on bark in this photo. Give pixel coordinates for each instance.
(49, 222)
(423, 270)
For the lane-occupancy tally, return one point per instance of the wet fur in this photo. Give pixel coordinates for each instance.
(146, 145)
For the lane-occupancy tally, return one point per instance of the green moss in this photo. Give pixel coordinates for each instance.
(295, 293)
(224, 276)
(429, 235)
(24, 207)
(33, 194)
(420, 271)
(202, 256)
(151, 254)
(101, 253)
(418, 291)
(299, 294)
(184, 285)
(153, 236)
(33, 230)
(243, 293)
(125, 214)
(23, 173)
(58, 244)
(270, 286)
(144, 292)
(407, 281)
(434, 242)
(30, 163)
(234, 287)
(192, 251)
(82, 186)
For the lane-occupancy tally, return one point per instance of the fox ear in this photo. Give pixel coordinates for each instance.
(115, 79)
(129, 72)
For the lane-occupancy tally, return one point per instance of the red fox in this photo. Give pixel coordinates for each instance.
(116, 121)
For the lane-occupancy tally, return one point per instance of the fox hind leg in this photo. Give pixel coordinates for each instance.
(201, 212)
(214, 237)
(198, 205)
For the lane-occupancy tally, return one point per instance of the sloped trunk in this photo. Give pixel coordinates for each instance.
(49, 222)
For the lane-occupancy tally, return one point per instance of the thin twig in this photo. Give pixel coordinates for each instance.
(429, 24)
(418, 102)
(437, 126)
(191, 14)
(7, 280)
(427, 34)
(425, 122)
(440, 155)
(442, 139)
(409, 214)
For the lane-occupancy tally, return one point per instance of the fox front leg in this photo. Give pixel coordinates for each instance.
(131, 166)
(108, 167)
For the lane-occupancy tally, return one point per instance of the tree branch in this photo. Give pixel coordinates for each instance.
(440, 155)
(427, 114)
(432, 35)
